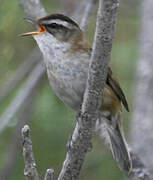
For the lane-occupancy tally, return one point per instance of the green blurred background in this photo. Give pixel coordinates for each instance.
(51, 122)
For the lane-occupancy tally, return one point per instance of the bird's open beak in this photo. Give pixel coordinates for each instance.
(40, 31)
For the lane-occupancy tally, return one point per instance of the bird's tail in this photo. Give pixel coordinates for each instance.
(117, 142)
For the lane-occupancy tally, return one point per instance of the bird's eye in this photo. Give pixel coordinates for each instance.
(53, 25)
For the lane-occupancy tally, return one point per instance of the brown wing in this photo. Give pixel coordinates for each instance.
(113, 83)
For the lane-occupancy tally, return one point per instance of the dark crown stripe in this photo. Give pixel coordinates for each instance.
(57, 16)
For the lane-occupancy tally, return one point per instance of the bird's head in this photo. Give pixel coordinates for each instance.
(59, 26)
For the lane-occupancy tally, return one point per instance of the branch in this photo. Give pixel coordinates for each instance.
(49, 174)
(87, 13)
(22, 95)
(24, 117)
(80, 143)
(20, 74)
(33, 8)
(140, 171)
(79, 10)
(30, 170)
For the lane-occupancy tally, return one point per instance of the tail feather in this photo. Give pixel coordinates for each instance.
(118, 144)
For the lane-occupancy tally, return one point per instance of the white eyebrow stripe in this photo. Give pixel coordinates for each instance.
(60, 22)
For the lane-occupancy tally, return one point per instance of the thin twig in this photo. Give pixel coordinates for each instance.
(80, 143)
(87, 13)
(20, 74)
(33, 8)
(79, 10)
(30, 170)
(23, 93)
(49, 174)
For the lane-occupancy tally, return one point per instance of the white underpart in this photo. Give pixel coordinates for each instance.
(67, 72)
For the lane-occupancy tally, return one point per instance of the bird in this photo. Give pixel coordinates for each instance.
(67, 56)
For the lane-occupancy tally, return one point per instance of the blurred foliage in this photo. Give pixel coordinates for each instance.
(52, 123)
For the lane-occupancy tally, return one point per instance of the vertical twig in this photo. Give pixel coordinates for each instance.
(30, 170)
(33, 8)
(49, 174)
(87, 13)
(79, 10)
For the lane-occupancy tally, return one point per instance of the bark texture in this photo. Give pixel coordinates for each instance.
(30, 170)
(87, 13)
(49, 174)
